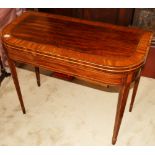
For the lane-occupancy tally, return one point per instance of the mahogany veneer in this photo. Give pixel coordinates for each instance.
(93, 51)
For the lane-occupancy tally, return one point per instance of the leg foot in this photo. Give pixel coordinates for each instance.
(134, 93)
(123, 95)
(114, 141)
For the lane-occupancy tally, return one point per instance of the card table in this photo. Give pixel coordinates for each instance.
(93, 51)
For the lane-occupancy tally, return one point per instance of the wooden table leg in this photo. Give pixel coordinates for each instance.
(123, 95)
(134, 93)
(16, 82)
(37, 75)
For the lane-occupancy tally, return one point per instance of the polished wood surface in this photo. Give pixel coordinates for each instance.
(93, 51)
(97, 44)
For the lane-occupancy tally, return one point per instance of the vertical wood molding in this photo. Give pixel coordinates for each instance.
(125, 16)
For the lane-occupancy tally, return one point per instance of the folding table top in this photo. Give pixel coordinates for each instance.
(94, 43)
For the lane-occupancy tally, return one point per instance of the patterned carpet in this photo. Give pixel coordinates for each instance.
(67, 113)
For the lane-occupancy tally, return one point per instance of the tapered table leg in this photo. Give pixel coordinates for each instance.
(37, 75)
(16, 82)
(123, 95)
(134, 93)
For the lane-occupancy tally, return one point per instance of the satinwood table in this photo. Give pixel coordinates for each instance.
(93, 51)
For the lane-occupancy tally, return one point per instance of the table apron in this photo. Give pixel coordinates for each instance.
(70, 68)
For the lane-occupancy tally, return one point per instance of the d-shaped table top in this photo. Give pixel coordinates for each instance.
(96, 44)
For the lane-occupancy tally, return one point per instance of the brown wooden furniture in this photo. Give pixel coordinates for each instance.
(93, 51)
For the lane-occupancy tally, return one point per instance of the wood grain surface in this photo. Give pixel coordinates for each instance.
(97, 44)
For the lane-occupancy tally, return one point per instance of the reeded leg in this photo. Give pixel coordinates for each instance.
(16, 82)
(134, 93)
(123, 95)
(37, 75)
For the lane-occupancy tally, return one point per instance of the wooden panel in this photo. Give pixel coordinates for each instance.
(125, 17)
(114, 16)
(109, 15)
(104, 15)
(72, 12)
(149, 69)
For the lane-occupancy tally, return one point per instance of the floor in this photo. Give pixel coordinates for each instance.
(68, 113)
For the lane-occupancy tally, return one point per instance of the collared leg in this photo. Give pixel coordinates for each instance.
(123, 95)
(37, 75)
(16, 82)
(134, 93)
